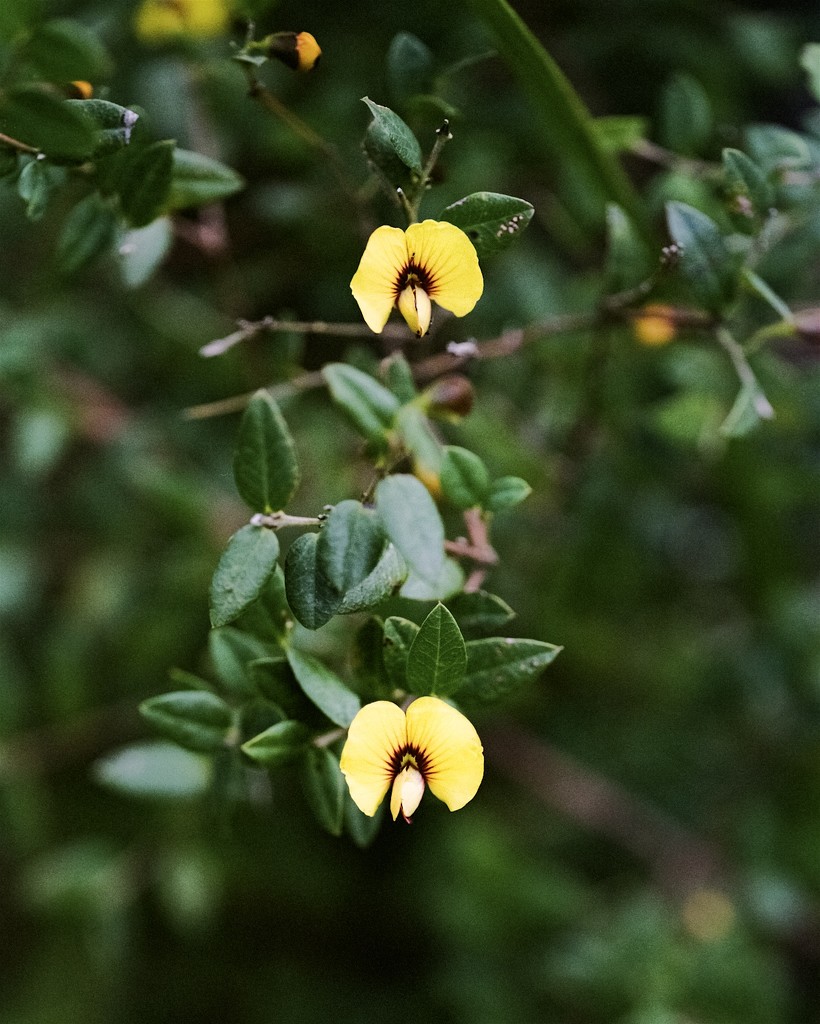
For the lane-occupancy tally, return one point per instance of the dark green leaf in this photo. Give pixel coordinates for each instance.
(497, 666)
(465, 480)
(312, 598)
(197, 180)
(268, 617)
(507, 491)
(393, 136)
(409, 63)
(231, 653)
(154, 770)
(810, 62)
(36, 184)
(324, 788)
(628, 259)
(412, 522)
(244, 568)
(265, 466)
(399, 635)
(8, 162)
(350, 545)
(324, 688)
(704, 259)
(361, 828)
(47, 123)
(745, 179)
(478, 612)
(274, 680)
(112, 124)
(144, 180)
(280, 744)
(87, 231)
(437, 659)
(385, 579)
(370, 406)
(63, 50)
(686, 120)
(194, 719)
(491, 221)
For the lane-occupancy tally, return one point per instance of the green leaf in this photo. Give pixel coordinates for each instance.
(628, 259)
(465, 480)
(565, 125)
(437, 659)
(420, 440)
(385, 579)
(35, 185)
(750, 407)
(350, 545)
(280, 744)
(744, 178)
(497, 666)
(704, 259)
(86, 232)
(390, 136)
(312, 598)
(619, 134)
(448, 582)
(144, 181)
(9, 162)
(409, 65)
(268, 617)
(399, 635)
(154, 770)
(142, 250)
(507, 491)
(370, 406)
(399, 378)
(47, 123)
(324, 688)
(243, 570)
(197, 180)
(686, 120)
(63, 50)
(324, 788)
(265, 466)
(274, 680)
(232, 652)
(776, 148)
(112, 124)
(810, 62)
(491, 221)
(412, 522)
(479, 612)
(195, 719)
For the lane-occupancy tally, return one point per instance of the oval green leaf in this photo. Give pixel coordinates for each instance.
(197, 180)
(194, 719)
(412, 522)
(312, 598)
(437, 659)
(265, 466)
(498, 666)
(280, 744)
(704, 259)
(395, 136)
(324, 688)
(243, 570)
(324, 787)
(491, 221)
(350, 545)
(370, 406)
(465, 479)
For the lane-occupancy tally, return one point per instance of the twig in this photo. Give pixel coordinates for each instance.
(745, 373)
(23, 147)
(249, 329)
(476, 547)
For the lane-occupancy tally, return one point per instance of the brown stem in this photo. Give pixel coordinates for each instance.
(23, 147)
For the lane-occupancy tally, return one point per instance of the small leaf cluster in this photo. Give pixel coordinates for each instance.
(121, 182)
(275, 703)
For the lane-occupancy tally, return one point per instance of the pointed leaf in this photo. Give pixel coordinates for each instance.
(197, 180)
(393, 136)
(281, 744)
(310, 595)
(497, 667)
(686, 120)
(412, 522)
(479, 612)
(46, 122)
(232, 652)
(324, 688)
(491, 221)
(704, 259)
(465, 479)
(265, 466)
(437, 659)
(409, 64)
(243, 570)
(350, 545)
(324, 787)
(142, 250)
(195, 719)
(744, 178)
(506, 492)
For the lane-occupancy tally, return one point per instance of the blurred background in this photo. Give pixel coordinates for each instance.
(646, 846)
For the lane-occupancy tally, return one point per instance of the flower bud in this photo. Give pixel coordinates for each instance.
(299, 50)
(449, 398)
(654, 325)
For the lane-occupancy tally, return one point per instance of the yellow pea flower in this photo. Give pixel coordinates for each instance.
(161, 20)
(429, 262)
(431, 744)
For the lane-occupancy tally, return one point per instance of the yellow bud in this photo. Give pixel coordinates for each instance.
(299, 50)
(654, 325)
(415, 306)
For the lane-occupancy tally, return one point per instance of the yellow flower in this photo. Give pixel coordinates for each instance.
(433, 260)
(431, 745)
(160, 20)
(655, 324)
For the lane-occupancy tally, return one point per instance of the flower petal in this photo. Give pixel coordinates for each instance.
(450, 261)
(449, 748)
(376, 734)
(375, 283)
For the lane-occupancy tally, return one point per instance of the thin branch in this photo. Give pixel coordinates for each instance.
(745, 373)
(249, 329)
(23, 147)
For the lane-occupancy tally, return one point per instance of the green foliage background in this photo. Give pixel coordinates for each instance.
(646, 846)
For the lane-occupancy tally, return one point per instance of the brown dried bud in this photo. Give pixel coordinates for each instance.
(449, 397)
